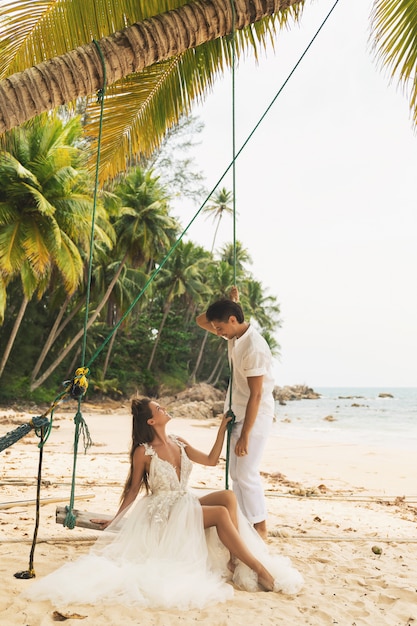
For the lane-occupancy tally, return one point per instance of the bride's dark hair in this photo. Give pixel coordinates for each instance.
(142, 432)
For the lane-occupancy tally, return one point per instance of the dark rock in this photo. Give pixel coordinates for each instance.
(295, 392)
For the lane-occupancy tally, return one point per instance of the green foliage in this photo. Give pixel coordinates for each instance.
(151, 347)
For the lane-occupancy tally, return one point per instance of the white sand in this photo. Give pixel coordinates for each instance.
(329, 505)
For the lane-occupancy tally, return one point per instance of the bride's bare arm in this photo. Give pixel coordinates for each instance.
(197, 456)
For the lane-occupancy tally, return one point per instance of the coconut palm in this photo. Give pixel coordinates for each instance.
(144, 227)
(181, 276)
(236, 255)
(262, 308)
(45, 210)
(220, 203)
(159, 56)
(144, 230)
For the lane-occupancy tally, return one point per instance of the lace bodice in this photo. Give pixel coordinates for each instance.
(164, 483)
(163, 475)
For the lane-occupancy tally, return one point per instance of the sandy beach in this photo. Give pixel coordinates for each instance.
(346, 515)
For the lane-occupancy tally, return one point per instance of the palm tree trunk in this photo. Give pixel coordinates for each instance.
(214, 383)
(79, 72)
(51, 337)
(215, 370)
(13, 334)
(215, 233)
(161, 325)
(78, 336)
(193, 375)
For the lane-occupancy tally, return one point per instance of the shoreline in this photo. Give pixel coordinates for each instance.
(329, 506)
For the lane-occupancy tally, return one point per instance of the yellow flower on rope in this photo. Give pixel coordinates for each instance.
(80, 382)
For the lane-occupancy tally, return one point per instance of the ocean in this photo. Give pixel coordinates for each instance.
(353, 415)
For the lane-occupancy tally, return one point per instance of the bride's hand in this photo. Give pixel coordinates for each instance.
(225, 420)
(101, 522)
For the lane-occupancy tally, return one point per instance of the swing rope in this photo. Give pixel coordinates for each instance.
(229, 412)
(79, 384)
(77, 387)
(30, 572)
(207, 198)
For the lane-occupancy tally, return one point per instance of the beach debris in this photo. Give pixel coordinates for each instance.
(329, 418)
(279, 532)
(376, 550)
(385, 395)
(57, 616)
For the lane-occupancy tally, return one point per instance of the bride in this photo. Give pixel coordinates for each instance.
(169, 548)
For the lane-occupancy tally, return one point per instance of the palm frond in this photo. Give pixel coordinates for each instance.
(394, 24)
(35, 30)
(139, 110)
(70, 264)
(3, 300)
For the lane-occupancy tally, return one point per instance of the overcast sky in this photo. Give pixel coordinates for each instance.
(326, 200)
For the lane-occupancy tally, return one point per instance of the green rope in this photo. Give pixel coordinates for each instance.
(100, 97)
(30, 572)
(230, 412)
(79, 384)
(80, 427)
(13, 436)
(207, 198)
(234, 134)
(236, 155)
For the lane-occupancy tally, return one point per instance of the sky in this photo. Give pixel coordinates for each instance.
(325, 199)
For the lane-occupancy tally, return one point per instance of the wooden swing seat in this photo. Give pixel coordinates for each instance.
(82, 518)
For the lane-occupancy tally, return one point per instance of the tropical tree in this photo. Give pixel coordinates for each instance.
(260, 307)
(235, 255)
(144, 227)
(156, 63)
(219, 204)
(144, 231)
(181, 277)
(45, 210)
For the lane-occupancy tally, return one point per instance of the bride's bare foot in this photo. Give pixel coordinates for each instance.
(265, 580)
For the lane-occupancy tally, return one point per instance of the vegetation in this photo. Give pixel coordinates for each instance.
(46, 190)
(135, 321)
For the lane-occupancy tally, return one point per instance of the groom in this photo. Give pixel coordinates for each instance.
(252, 384)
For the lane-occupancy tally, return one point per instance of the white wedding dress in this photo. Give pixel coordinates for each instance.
(157, 554)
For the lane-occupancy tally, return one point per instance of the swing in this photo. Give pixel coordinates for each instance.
(78, 386)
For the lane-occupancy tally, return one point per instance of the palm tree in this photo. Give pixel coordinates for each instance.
(262, 308)
(219, 203)
(156, 63)
(144, 226)
(144, 231)
(45, 212)
(236, 255)
(181, 276)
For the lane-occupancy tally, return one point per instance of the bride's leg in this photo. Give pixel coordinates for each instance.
(218, 516)
(227, 499)
(224, 498)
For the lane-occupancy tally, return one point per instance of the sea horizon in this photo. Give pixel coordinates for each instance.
(354, 414)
